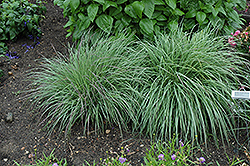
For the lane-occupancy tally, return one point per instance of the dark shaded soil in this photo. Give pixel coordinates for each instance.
(20, 138)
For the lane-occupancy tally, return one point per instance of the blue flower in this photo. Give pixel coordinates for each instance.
(122, 160)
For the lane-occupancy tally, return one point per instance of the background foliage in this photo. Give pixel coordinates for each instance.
(19, 17)
(149, 17)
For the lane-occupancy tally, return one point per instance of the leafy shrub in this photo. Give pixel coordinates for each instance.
(92, 84)
(148, 17)
(19, 17)
(189, 89)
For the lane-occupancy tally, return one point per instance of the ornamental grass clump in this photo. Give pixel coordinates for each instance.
(92, 84)
(189, 89)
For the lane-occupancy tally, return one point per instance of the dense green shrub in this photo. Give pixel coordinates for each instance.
(190, 84)
(91, 84)
(19, 17)
(148, 17)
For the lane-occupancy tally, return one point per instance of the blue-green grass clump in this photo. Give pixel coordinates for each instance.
(92, 84)
(189, 88)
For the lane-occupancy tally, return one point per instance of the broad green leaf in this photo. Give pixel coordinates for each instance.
(147, 26)
(221, 9)
(1, 30)
(104, 22)
(129, 10)
(156, 14)
(233, 15)
(12, 33)
(158, 2)
(216, 21)
(178, 12)
(200, 17)
(126, 20)
(85, 1)
(107, 4)
(100, 1)
(119, 26)
(74, 4)
(149, 8)
(171, 3)
(138, 8)
(92, 11)
(85, 21)
(68, 23)
(191, 13)
(161, 18)
(66, 3)
(115, 11)
(173, 25)
(121, 1)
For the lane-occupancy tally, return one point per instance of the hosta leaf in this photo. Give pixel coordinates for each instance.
(100, 1)
(115, 11)
(158, 2)
(200, 17)
(147, 26)
(85, 21)
(178, 12)
(121, 1)
(149, 8)
(104, 22)
(129, 10)
(107, 4)
(92, 11)
(191, 13)
(171, 3)
(138, 8)
(85, 1)
(74, 4)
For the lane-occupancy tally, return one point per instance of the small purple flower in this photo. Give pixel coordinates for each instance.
(55, 164)
(24, 45)
(122, 160)
(37, 43)
(181, 143)
(26, 51)
(161, 156)
(173, 157)
(127, 150)
(202, 159)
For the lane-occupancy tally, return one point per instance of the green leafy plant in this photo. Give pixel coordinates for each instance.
(189, 88)
(50, 160)
(240, 40)
(19, 17)
(91, 84)
(148, 17)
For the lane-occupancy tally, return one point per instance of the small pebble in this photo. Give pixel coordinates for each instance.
(141, 146)
(9, 117)
(22, 148)
(107, 131)
(10, 73)
(5, 159)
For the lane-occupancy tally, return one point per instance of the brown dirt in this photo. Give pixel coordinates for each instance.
(21, 137)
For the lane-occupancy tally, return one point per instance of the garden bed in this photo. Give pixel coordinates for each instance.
(19, 138)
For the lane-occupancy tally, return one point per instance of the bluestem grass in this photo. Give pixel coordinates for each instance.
(92, 84)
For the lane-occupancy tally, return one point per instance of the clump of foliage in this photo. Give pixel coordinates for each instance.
(149, 17)
(19, 17)
(240, 40)
(91, 84)
(189, 88)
